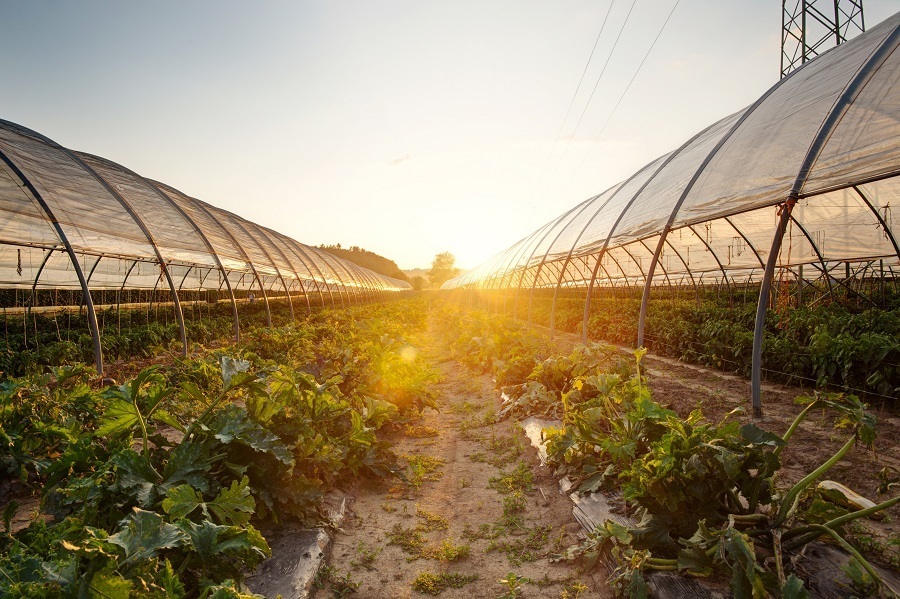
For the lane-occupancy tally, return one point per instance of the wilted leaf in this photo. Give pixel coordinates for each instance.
(745, 580)
(793, 589)
(637, 587)
(821, 511)
(754, 435)
(693, 560)
(109, 585)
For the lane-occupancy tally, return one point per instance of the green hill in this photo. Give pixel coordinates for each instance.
(366, 259)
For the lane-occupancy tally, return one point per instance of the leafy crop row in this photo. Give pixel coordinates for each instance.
(704, 494)
(827, 345)
(154, 488)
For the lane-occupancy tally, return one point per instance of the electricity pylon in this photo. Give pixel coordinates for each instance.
(809, 27)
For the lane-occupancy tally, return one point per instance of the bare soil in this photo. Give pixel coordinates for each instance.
(465, 494)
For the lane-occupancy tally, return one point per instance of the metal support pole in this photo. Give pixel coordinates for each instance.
(155, 187)
(275, 241)
(237, 221)
(243, 252)
(37, 276)
(763, 304)
(295, 247)
(91, 314)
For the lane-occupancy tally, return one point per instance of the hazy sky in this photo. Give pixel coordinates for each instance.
(407, 128)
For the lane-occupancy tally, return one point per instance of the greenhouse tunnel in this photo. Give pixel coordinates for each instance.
(789, 200)
(80, 232)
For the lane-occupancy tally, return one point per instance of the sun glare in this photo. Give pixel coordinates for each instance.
(409, 353)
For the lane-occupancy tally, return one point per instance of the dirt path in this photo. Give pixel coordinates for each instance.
(478, 509)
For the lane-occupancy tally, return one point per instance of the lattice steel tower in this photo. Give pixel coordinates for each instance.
(809, 27)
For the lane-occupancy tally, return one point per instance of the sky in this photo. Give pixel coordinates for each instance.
(407, 128)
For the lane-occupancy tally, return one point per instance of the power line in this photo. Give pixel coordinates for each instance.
(572, 103)
(583, 73)
(609, 56)
(621, 97)
(591, 97)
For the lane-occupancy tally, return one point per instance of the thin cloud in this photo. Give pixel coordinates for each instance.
(401, 160)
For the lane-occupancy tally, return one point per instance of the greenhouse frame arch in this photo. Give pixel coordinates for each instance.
(75, 221)
(805, 176)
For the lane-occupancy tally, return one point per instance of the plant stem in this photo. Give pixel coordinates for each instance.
(650, 566)
(790, 431)
(776, 550)
(789, 498)
(202, 416)
(808, 532)
(659, 561)
(852, 551)
(146, 448)
(748, 517)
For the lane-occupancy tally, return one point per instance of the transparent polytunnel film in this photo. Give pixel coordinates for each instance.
(795, 192)
(80, 231)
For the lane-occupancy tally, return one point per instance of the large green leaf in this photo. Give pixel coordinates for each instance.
(121, 416)
(188, 463)
(233, 424)
(180, 501)
(211, 540)
(167, 418)
(753, 435)
(169, 581)
(377, 411)
(136, 476)
(227, 590)
(234, 504)
(142, 534)
(653, 531)
(234, 371)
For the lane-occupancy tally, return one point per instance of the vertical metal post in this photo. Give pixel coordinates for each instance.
(237, 221)
(243, 252)
(296, 246)
(275, 240)
(91, 314)
(212, 251)
(179, 316)
(763, 304)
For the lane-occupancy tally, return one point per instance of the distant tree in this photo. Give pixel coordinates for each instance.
(443, 268)
(417, 282)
